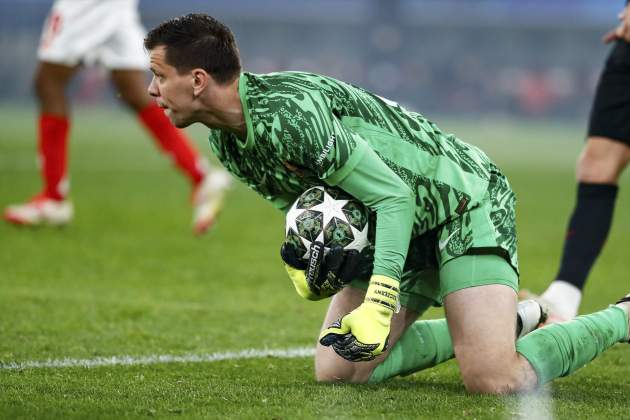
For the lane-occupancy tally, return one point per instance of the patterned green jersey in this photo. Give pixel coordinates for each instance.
(304, 129)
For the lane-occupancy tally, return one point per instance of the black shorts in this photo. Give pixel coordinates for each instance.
(610, 116)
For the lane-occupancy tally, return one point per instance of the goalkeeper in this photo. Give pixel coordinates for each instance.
(445, 226)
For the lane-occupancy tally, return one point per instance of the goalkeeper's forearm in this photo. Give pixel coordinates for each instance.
(381, 189)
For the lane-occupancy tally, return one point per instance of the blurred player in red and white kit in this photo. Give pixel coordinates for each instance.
(106, 33)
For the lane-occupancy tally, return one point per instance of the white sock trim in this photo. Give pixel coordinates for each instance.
(624, 307)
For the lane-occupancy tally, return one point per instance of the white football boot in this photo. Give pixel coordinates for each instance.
(530, 314)
(40, 210)
(554, 315)
(561, 300)
(208, 199)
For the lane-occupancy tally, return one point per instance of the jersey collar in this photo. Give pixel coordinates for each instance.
(242, 93)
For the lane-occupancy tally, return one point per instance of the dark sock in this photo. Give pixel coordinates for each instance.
(587, 231)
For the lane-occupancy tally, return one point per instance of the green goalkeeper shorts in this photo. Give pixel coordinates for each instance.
(478, 248)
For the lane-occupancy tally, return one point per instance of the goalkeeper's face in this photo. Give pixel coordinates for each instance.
(176, 93)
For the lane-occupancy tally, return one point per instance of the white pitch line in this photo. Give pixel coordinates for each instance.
(290, 353)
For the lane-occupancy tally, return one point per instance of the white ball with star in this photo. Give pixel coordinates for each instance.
(329, 216)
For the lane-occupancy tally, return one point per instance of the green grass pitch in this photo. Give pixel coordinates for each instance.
(128, 278)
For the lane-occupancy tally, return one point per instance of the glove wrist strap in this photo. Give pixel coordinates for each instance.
(383, 291)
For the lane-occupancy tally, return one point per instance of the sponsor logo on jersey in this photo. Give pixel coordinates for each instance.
(327, 148)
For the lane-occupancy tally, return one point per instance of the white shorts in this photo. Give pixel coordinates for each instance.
(94, 32)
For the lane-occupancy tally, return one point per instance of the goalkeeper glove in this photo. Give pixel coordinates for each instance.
(323, 276)
(362, 334)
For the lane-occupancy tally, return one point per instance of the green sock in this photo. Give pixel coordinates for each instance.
(561, 349)
(424, 345)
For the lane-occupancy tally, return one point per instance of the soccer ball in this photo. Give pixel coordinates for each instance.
(329, 216)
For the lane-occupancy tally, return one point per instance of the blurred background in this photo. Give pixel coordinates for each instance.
(514, 77)
(537, 58)
(127, 277)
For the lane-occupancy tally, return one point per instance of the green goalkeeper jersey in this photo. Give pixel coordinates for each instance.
(306, 129)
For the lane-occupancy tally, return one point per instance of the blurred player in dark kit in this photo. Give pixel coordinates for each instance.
(604, 156)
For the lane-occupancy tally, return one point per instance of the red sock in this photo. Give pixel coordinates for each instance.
(172, 141)
(53, 153)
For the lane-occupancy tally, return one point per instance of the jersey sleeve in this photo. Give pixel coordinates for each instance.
(375, 184)
(308, 134)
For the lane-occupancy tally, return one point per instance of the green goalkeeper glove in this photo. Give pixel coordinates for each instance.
(362, 334)
(323, 276)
